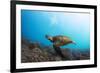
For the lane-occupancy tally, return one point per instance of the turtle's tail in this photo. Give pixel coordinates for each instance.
(74, 42)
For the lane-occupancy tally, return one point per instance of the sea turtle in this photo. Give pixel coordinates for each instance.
(60, 40)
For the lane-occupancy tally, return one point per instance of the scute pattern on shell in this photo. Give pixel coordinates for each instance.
(60, 40)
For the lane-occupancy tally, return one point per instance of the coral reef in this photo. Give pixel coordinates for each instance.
(36, 52)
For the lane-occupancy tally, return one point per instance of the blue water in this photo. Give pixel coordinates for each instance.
(36, 24)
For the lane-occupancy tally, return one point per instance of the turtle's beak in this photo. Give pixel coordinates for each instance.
(46, 36)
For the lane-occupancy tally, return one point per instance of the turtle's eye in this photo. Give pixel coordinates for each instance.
(46, 36)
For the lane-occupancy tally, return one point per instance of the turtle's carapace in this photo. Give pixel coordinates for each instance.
(60, 40)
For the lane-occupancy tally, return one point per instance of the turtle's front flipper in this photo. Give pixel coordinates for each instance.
(58, 51)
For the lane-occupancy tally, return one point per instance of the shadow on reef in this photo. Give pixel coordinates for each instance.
(37, 52)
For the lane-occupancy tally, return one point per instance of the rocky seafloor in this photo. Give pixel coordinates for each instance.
(36, 52)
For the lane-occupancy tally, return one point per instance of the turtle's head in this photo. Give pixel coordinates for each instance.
(49, 37)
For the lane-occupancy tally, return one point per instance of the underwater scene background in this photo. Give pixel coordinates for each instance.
(35, 24)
